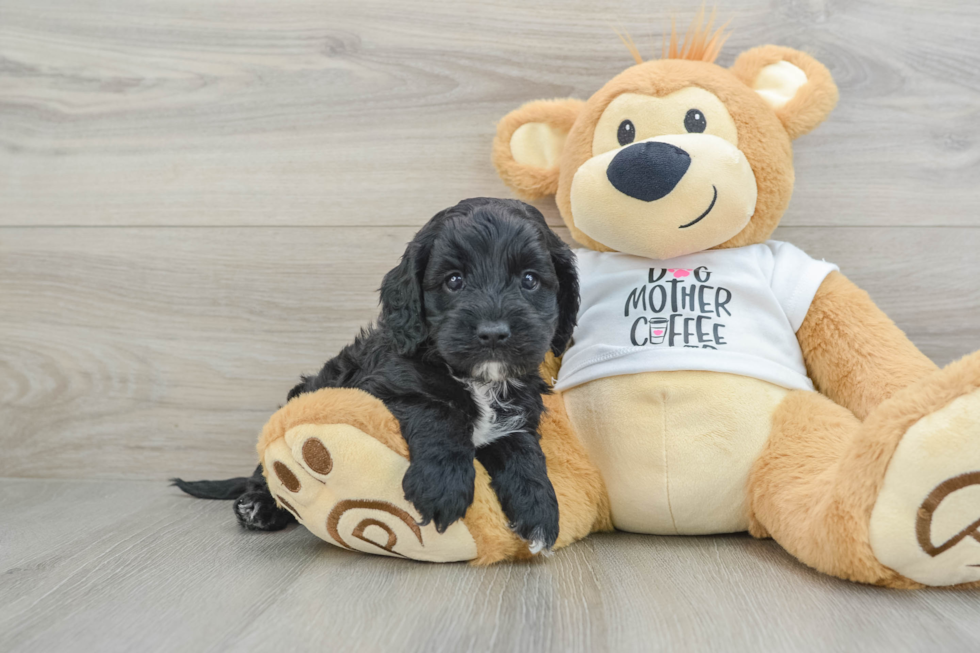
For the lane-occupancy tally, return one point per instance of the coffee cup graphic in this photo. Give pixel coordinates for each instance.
(658, 330)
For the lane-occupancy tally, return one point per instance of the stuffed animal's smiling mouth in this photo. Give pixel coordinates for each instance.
(706, 211)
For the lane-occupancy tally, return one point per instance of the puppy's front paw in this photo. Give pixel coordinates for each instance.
(441, 491)
(532, 509)
(257, 511)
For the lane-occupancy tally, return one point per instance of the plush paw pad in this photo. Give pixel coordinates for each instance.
(926, 522)
(346, 488)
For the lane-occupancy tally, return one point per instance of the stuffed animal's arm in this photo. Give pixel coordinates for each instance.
(854, 353)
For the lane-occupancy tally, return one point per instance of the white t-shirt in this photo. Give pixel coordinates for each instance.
(724, 310)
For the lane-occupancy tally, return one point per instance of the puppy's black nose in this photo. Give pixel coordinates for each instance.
(648, 171)
(492, 333)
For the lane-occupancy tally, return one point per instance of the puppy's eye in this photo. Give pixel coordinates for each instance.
(626, 133)
(454, 282)
(530, 281)
(694, 121)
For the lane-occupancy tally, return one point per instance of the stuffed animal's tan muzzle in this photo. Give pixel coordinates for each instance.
(665, 196)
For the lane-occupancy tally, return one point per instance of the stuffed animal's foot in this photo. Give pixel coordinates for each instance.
(346, 488)
(926, 521)
(335, 458)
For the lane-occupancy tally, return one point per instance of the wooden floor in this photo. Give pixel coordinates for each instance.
(198, 199)
(132, 566)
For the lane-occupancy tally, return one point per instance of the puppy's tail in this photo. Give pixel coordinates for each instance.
(231, 488)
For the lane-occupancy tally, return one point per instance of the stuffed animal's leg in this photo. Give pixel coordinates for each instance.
(892, 501)
(335, 459)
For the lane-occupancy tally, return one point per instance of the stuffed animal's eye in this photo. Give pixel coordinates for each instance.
(454, 282)
(694, 121)
(626, 133)
(530, 281)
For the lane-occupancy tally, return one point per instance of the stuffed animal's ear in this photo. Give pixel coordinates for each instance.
(528, 146)
(797, 87)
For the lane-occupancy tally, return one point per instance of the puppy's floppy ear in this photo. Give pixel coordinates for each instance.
(568, 294)
(563, 259)
(795, 85)
(528, 146)
(402, 309)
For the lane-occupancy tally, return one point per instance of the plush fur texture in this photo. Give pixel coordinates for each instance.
(670, 427)
(815, 485)
(761, 138)
(823, 465)
(854, 352)
(811, 105)
(527, 181)
(764, 135)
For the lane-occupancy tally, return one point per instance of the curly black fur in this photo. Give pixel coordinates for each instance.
(458, 367)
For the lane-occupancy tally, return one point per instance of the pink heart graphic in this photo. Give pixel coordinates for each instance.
(658, 332)
(680, 272)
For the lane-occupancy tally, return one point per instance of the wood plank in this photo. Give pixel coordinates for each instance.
(328, 112)
(681, 593)
(140, 335)
(154, 352)
(125, 566)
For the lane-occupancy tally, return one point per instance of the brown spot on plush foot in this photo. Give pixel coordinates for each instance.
(389, 546)
(923, 525)
(286, 477)
(317, 457)
(333, 521)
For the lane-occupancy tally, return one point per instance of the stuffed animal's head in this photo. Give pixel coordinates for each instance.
(671, 156)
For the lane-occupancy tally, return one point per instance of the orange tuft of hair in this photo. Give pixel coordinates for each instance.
(630, 45)
(699, 44)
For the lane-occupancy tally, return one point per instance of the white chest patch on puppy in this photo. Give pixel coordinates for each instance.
(497, 417)
(490, 372)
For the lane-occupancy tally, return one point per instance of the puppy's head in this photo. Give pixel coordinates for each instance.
(485, 285)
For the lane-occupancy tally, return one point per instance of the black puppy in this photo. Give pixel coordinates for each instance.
(482, 293)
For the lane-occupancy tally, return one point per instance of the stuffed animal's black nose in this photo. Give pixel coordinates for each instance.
(648, 171)
(492, 333)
